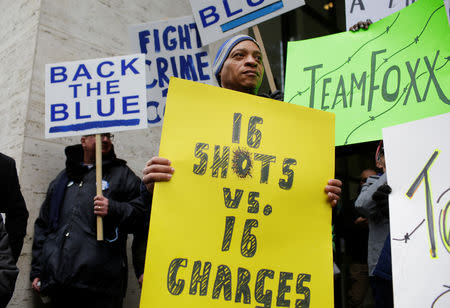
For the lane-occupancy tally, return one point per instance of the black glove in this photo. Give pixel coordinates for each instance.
(381, 198)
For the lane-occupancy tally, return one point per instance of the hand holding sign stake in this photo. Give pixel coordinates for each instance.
(92, 97)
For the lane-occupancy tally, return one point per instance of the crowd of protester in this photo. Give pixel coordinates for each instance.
(72, 268)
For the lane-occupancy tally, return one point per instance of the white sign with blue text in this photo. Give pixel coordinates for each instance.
(172, 48)
(95, 96)
(217, 19)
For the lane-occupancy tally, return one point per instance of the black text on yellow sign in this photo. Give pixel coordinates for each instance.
(244, 163)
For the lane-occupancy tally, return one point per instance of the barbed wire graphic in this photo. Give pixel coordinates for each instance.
(349, 58)
(407, 236)
(406, 88)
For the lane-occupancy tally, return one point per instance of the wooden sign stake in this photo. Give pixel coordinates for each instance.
(98, 174)
(266, 63)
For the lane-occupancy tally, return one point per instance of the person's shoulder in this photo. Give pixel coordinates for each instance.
(120, 162)
(5, 160)
(376, 180)
(277, 95)
(373, 178)
(58, 177)
(119, 166)
(8, 168)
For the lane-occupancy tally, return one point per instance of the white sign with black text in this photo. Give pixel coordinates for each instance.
(418, 165)
(361, 10)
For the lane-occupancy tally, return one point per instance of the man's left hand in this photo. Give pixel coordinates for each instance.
(333, 190)
(101, 206)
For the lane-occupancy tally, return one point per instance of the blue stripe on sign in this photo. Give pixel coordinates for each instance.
(95, 124)
(252, 16)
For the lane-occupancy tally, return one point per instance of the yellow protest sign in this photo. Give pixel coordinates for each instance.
(244, 218)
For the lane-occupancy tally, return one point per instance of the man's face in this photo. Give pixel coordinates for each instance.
(243, 69)
(365, 174)
(88, 143)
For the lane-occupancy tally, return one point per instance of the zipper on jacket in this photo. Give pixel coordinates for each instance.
(69, 225)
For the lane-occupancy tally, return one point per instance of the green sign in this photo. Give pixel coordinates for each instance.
(397, 71)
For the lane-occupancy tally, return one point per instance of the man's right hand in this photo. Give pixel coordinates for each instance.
(36, 284)
(157, 169)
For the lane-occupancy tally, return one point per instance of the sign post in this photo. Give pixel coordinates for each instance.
(99, 177)
(268, 70)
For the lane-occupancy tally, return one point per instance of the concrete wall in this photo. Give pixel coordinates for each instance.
(36, 32)
(18, 33)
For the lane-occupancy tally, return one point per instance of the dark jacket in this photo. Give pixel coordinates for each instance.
(139, 245)
(356, 236)
(12, 204)
(13, 230)
(277, 95)
(65, 250)
(8, 269)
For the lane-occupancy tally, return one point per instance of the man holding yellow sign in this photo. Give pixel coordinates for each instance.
(237, 66)
(288, 239)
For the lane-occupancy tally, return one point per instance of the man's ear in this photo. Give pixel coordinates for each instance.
(83, 140)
